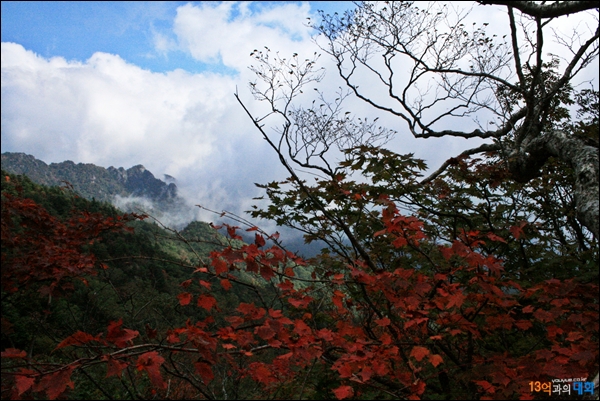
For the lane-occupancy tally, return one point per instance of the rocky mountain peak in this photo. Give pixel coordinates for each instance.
(94, 182)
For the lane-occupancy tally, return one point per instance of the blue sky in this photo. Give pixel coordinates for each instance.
(76, 30)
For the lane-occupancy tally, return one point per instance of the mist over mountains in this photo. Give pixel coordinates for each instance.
(133, 190)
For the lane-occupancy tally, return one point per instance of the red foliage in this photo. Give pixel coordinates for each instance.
(343, 392)
(399, 327)
(79, 338)
(42, 252)
(23, 382)
(54, 384)
(118, 336)
(207, 302)
(114, 367)
(150, 362)
(40, 249)
(184, 298)
(14, 353)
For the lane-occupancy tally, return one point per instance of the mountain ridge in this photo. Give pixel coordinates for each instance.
(118, 186)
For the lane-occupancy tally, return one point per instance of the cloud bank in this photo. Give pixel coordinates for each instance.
(107, 111)
(110, 112)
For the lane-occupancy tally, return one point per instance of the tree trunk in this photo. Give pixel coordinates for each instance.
(524, 164)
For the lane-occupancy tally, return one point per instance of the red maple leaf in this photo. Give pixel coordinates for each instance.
(231, 231)
(456, 300)
(206, 301)
(399, 242)
(574, 336)
(381, 232)
(261, 373)
(265, 332)
(234, 320)
(528, 309)
(120, 337)
(517, 231)
(287, 285)
(13, 353)
(23, 382)
(150, 332)
(325, 334)
(384, 321)
(300, 303)
(343, 392)
(114, 367)
(276, 313)
(220, 265)
(78, 338)
(338, 297)
(266, 272)
(301, 328)
(435, 359)
(205, 371)
(417, 388)
(543, 315)
(56, 383)
(259, 240)
(487, 386)
(419, 353)
(184, 298)
(494, 237)
(344, 369)
(523, 324)
(150, 362)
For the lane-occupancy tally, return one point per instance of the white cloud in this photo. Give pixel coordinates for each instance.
(108, 112)
(163, 44)
(227, 32)
(104, 110)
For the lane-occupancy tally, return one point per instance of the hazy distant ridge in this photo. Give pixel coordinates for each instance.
(92, 181)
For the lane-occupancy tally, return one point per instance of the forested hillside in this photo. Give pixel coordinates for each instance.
(129, 273)
(71, 265)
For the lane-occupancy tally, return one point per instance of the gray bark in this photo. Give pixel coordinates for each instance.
(524, 164)
(552, 10)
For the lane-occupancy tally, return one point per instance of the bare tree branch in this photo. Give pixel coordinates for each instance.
(486, 147)
(418, 57)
